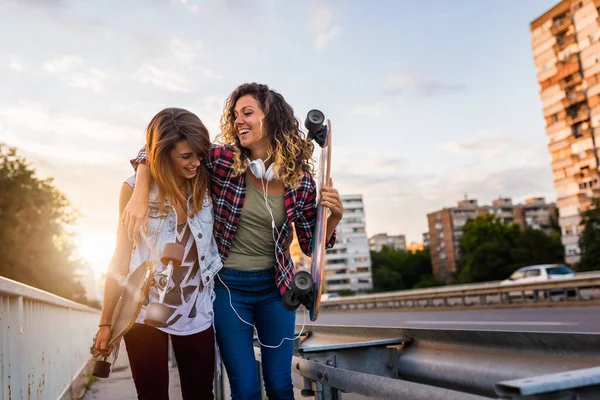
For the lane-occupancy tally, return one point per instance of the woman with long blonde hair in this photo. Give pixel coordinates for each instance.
(179, 210)
(261, 186)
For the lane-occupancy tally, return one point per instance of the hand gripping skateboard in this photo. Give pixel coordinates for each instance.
(135, 292)
(305, 287)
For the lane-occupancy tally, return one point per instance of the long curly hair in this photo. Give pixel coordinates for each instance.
(287, 145)
(168, 127)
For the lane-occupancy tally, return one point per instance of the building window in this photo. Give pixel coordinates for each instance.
(577, 6)
(554, 118)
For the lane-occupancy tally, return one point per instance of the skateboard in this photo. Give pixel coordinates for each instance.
(306, 288)
(133, 296)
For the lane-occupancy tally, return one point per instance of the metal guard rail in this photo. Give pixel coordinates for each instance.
(396, 363)
(44, 343)
(578, 289)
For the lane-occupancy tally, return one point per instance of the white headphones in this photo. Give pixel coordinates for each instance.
(257, 167)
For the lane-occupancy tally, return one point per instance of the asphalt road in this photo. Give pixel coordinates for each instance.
(556, 319)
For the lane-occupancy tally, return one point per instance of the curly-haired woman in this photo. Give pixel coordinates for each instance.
(261, 184)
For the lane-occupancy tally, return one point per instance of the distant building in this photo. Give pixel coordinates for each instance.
(426, 239)
(566, 50)
(446, 226)
(349, 262)
(397, 242)
(413, 247)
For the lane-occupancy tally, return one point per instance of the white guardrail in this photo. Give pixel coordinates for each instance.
(582, 289)
(44, 342)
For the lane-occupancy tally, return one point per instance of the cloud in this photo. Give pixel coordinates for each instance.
(163, 78)
(176, 68)
(325, 37)
(63, 64)
(75, 73)
(14, 64)
(488, 146)
(93, 79)
(416, 82)
(322, 24)
(66, 137)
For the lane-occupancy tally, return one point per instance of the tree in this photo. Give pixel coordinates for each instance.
(485, 249)
(36, 239)
(399, 269)
(589, 241)
(535, 247)
(492, 249)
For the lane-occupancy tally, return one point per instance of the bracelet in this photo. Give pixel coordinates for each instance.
(101, 325)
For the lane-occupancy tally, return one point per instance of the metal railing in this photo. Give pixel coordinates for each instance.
(582, 289)
(428, 364)
(44, 342)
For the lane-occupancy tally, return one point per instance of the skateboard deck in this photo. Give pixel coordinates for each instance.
(128, 306)
(317, 265)
(131, 300)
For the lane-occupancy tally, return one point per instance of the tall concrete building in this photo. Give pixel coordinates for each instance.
(566, 48)
(349, 262)
(395, 242)
(446, 227)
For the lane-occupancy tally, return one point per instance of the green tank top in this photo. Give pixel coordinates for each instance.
(253, 246)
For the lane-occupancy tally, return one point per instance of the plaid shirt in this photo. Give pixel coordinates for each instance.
(228, 194)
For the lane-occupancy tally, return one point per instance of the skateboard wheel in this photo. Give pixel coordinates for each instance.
(314, 121)
(157, 315)
(302, 283)
(172, 252)
(101, 369)
(290, 301)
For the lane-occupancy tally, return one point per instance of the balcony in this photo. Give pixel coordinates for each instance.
(579, 133)
(571, 59)
(587, 194)
(573, 98)
(560, 25)
(582, 115)
(570, 80)
(564, 41)
(586, 175)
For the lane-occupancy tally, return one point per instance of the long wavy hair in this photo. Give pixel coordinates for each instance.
(287, 145)
(168, 127)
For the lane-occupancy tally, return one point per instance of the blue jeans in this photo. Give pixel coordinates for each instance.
(256, 299)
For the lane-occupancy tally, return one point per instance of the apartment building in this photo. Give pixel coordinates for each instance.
(397, 242)
(533, 213)
(349, 262)
(566, 49)
(446, 226)
(426, 239)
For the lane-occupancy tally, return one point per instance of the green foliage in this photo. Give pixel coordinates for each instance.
(399, 269)
(36, 243)
(491, 249)
(589, 241)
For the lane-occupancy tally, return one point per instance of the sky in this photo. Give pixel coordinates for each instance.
(430, 101)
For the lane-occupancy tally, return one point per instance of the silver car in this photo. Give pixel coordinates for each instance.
(539, 273)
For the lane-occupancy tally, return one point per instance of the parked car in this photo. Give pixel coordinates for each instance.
(539, 273)
(329, 296)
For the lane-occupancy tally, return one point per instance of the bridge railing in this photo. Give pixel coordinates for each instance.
(580, 289)
(44, 342)
(430, 364)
